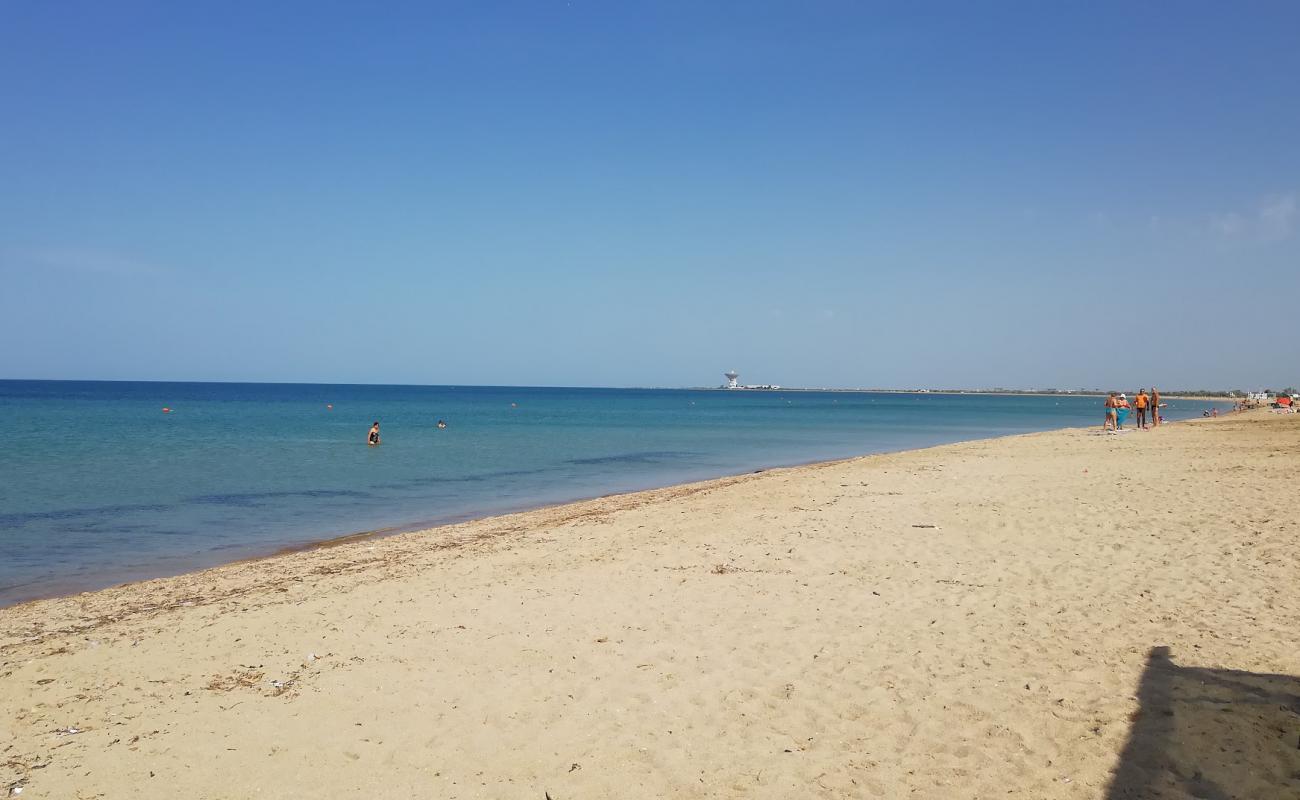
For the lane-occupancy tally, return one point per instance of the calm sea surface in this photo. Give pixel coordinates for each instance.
(98, 486)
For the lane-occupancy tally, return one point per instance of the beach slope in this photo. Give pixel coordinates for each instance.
(1056, 615)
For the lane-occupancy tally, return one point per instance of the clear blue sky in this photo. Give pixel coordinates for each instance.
(597, 193)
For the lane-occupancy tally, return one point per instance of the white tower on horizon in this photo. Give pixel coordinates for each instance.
(731, 376)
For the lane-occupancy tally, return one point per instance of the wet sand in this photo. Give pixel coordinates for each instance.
(1055, 615)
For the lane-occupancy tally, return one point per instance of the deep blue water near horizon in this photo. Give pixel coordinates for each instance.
(98, 486)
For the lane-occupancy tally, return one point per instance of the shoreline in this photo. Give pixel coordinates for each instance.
(426, 526)
(1041, 613)
(578, 505)
(197, 562)
(417, 528)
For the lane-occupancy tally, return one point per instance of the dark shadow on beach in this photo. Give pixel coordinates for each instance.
(1211, 733)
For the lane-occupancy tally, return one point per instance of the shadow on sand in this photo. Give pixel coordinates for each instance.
(1216, 734)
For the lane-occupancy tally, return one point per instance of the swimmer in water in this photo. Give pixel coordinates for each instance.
(441, 424)
(372, 438)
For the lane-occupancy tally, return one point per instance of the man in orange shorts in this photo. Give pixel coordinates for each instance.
(1155, 407)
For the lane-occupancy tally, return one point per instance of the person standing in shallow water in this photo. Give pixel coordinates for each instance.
(372, 438)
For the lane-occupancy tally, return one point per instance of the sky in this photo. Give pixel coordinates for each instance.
(843, 194)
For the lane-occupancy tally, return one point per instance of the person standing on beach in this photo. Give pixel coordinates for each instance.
(1155, 407)
(1110, 422)
(372, 438)
(1140, 403)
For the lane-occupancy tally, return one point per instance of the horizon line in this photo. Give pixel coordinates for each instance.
(892, 390)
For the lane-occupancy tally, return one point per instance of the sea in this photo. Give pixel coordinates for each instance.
(107, 482)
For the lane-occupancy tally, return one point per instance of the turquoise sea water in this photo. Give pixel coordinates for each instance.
(98, 486)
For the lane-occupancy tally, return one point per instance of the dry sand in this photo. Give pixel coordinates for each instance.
(796, 633)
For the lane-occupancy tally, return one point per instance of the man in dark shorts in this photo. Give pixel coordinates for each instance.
(1140, 403)
(372, 438)
(1155, 407)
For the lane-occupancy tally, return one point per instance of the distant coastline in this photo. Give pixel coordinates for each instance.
(1179, 394)
(1176, 395)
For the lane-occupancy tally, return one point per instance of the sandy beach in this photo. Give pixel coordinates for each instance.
(1055, 615)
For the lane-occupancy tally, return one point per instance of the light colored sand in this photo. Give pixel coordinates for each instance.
(783, 635)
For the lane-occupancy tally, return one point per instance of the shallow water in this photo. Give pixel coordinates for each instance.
(98, 486)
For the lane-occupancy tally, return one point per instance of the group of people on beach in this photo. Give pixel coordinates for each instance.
(1118, 408)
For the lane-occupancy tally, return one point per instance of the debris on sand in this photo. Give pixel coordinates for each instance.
(241, 679)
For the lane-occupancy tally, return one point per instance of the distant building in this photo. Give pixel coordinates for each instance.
(733, 382)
